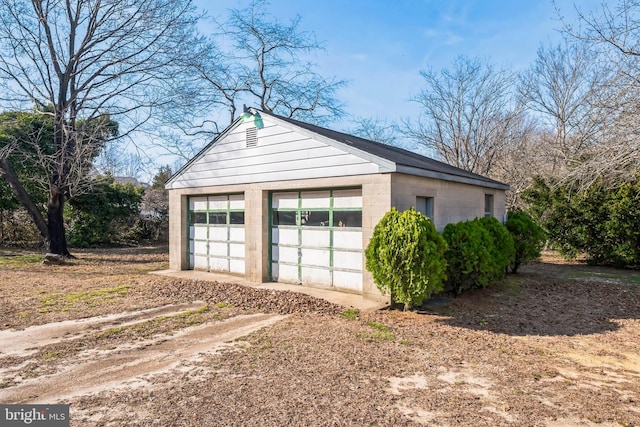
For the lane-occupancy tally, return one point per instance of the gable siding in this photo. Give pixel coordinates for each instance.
(281, 154)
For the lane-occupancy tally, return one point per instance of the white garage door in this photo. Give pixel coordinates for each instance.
(216, 233)
(316, 238)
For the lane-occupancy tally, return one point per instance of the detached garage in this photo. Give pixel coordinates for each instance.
(275, 199)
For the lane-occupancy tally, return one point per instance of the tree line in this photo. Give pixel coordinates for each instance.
(81, 78)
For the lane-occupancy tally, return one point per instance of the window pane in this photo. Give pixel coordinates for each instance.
(284, 218)
(217, 217)
(424, 205)
(236, 217)
(347, 218)
(198, 217)
(315, 218)
(488, 205)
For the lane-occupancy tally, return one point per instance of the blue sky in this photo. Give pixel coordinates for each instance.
(380, 46)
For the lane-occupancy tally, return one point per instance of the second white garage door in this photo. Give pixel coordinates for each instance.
(316, 238)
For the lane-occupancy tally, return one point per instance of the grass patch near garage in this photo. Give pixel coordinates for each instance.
(92, 298)
(16, 260)
(377, 332)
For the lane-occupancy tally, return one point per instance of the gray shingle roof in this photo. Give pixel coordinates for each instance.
(394, 154)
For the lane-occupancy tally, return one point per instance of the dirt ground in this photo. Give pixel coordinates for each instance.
(555, 345)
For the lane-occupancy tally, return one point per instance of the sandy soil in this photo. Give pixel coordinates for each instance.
(556, 345)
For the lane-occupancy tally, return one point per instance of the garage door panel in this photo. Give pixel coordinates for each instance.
(219, 234)
(284, 200)
(285, 236)
(198, 204)
(200, 262)
(218, 249)
(198, 233)
(347, 280)
(218, 264)
(285, 272)
(347, 260)
(347, 239)
(236, 234)
(285, 254)
(236, 250)
(347, 199)
(316, 238)
(237, 266)
(200, 247)
(316, 199)
(218, 202)
(236, 202)
(319, 257)
(316, 276)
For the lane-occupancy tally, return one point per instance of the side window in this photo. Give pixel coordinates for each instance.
(488, 205)
(424, 205)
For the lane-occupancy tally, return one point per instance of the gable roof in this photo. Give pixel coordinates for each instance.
(406, 161)
(388, 158)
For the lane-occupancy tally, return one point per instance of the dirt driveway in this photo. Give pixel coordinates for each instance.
(558, 345)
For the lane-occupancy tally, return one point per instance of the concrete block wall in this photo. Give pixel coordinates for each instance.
(453, 202)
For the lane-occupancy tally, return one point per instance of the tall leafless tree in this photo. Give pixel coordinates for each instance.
(614, 30)
(81, 59)
(259, 60)
(467, 114)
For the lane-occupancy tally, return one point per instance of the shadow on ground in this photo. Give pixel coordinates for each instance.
(537, 303)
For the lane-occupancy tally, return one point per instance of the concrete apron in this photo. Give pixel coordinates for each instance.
(341, 298)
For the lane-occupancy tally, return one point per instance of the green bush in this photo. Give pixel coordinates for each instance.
(528, 238)
(406, 257)
(503, 249)
(469, 260)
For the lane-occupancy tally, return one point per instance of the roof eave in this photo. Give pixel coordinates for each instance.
(452, 178)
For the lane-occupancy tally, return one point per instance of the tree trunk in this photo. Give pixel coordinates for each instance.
(21, 194)
(57, 236)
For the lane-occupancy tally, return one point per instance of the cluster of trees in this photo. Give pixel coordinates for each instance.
(409, 259)
(79, 77)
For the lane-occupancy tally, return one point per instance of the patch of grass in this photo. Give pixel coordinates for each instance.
(189, 317)
(224, 304)
(92, 298)
(381, 332)
(405, 342)
(536, 376)
(12, 260)
(114, 331)
(51, 355)
(351, 313)
(23, 313)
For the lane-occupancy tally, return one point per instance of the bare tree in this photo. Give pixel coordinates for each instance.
(82, 59)
(377, 129)
(467, 114)
(614, 30)
(563, 88)
(258, 60)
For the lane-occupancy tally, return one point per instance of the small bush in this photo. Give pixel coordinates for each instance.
(528, 238)
(406, 257)
(469, 260)
(503, 249)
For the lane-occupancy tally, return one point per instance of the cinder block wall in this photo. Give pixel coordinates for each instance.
(453, 202)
